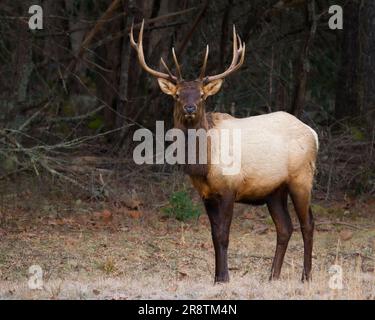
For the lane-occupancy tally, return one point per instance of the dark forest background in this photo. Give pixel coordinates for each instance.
(72, 94)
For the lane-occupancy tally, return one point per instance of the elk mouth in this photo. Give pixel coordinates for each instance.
(190, 116)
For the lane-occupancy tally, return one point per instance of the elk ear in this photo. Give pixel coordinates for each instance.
(167, 87)
(212, 88)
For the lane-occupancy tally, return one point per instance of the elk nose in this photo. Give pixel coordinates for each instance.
(190, 108)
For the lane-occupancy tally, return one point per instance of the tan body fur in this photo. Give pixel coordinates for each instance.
(276, 149)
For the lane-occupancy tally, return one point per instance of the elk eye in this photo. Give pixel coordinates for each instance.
(177, 96)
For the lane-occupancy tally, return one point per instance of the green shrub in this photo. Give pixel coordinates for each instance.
(181, 207)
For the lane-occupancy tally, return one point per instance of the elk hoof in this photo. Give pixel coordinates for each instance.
(222, 279)
(274, 277)
(306, 277)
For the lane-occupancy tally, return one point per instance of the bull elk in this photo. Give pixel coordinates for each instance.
(278, 158)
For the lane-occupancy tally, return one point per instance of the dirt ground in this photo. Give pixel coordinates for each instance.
(107, 250)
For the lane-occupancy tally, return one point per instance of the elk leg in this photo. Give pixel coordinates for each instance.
(220, 212)
(301, 201)
(278, 208)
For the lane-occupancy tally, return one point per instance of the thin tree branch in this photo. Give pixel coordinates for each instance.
(303, 64)
(198, 19)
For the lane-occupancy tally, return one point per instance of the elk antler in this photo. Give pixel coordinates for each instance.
(238, 54)
(139, 48)
(203, 70)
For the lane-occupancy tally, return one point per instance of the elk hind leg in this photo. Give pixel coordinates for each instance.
(300, 192)
(278, 207)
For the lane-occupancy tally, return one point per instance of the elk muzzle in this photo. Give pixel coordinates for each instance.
(190, 111)
(190, 108)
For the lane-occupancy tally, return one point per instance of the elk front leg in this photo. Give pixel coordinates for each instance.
(220, 212)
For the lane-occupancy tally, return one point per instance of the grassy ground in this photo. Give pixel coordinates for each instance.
(91, 250)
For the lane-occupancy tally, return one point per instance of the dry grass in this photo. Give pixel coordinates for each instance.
(251, 286)
(86, 254)
(126, 249)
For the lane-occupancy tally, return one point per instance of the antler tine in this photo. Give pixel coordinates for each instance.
(242, 59)
(204, 66)
(241, 54)
(131, 35)
(242, 44)
(237, 60)
(239, 50)
(166, 67)
(235, 46)
(138, 46)
(177, 65)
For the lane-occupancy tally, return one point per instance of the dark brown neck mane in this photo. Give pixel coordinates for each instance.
(204, 122)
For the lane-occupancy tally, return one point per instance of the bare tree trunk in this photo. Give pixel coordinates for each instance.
(347, 84)
(224, 32)
(183, 43)
(77, 23)
(303, 63)
(124, 77)
(133, 67)
(57, 48)
(109, 55)
(22, 58)
(23, 63)
(368, 61)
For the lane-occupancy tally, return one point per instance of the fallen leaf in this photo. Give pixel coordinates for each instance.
(182, 275)
(203, 219)
(135, 204)
(368, 269)
(70, 242)
(2, 232)
(234, 268)
(262, 214)
(122, 211)
(135, 214)
(96, 292)
(248, 216)
(104, 215)
(205, 245)
(120, 297)
(261, 230)
(345, 235)
(372, 242)
(173, 288)
(324, 227)
(132, 201)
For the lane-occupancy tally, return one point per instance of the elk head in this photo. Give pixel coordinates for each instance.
(189, 96)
